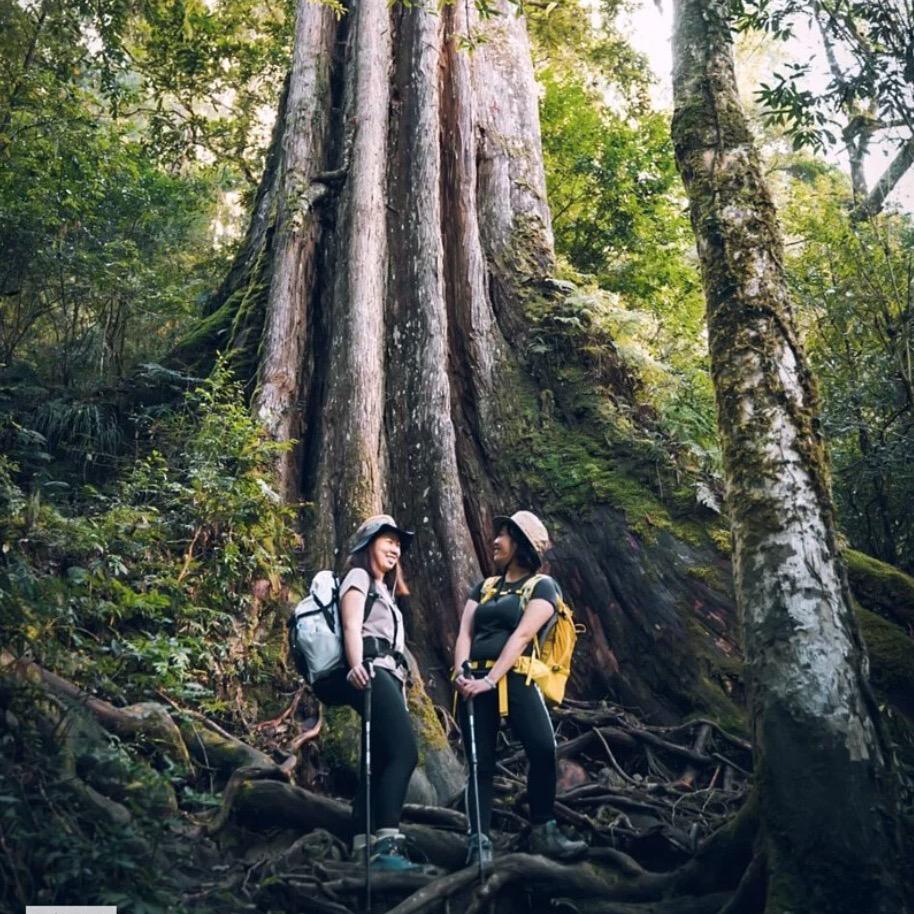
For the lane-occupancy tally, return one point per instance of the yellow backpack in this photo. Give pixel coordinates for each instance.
(549, 666)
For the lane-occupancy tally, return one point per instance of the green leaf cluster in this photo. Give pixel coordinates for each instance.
(159, 584)
(853, 284)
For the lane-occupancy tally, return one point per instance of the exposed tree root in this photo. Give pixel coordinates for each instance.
(308, 735)
(212, 748)
(702, 904)
(628, 810)
(750, 894)
(436, 892)
(147, 720)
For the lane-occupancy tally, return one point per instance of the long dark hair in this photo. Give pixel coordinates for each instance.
(393, 580)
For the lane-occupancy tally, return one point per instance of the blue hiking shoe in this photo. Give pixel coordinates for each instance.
(388, 855)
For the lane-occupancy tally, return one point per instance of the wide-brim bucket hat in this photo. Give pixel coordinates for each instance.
(530, 529)
(376, 525)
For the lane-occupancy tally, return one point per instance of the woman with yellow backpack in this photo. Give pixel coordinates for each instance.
(515, 643)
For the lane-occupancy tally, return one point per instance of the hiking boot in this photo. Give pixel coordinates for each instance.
(548, 840)
(388, 855)
(476, 844)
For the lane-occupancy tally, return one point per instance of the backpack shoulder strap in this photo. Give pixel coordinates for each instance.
(489, 588)
(527, 590)
(370, 598)
(525, 595)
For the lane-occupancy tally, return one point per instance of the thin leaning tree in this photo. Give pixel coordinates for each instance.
(830, 837)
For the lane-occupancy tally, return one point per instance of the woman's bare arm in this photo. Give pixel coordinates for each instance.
(352, 610)
(536, 615)
(464, 636)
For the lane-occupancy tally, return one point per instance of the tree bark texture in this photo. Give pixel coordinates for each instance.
(407, 168)
(826, 780)
(380, 305)
(305, 137)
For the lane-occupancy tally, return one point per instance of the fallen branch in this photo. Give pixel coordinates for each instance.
(310, 734)
(380, 882)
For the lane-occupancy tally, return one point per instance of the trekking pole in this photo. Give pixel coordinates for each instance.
(366, 761)
(474, 774)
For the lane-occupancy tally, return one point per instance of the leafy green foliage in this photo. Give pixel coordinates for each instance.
(623, 237)
(793, 109)
(613, 190)
(195, 79)
(104, 254)
(152, 586)
(868, 102)
(164, 584)
(54, 853)
(124, 131)
(212, 73)
(586, 40)
(853, 289)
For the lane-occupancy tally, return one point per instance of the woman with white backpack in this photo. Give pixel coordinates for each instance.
(373, 647)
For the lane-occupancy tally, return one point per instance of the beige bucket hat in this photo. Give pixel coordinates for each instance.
(531, 529)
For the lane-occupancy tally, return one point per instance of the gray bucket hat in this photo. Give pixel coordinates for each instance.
(378, 524)
(530, 528)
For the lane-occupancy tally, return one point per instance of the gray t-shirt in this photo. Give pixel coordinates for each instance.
(385, 619)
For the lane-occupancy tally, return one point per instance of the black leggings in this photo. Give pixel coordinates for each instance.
(393, 746)
(530, 723)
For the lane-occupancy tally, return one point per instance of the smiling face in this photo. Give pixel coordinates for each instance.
(384, 552)
(503, 548)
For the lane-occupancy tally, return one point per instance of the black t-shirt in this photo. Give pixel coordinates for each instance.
(495, 619)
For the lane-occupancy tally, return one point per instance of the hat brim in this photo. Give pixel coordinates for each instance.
(500, 520)
(406, 537)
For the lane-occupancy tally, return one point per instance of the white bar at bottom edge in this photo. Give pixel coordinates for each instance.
(70, 909)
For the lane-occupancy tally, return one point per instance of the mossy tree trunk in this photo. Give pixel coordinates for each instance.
(827, 786)
(381, 303)
(381, 257)
(284, 362)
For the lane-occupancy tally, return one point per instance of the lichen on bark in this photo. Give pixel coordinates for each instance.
(817, 730)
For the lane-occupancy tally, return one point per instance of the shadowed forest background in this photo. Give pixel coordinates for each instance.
(168, 486)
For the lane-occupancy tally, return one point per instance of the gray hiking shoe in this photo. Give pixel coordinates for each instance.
(477, 844)
(548, 840)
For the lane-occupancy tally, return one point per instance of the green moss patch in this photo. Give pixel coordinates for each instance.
(429, 732)
(341, 737)
(709, 575)
(569, 470)
(708, 691)
(891, 653)
(712, 701)
(880, 587)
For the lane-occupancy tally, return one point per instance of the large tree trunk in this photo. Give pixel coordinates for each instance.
(380, 304)
(409, 212)
(297, 230)
(349, 481)
(824, 772)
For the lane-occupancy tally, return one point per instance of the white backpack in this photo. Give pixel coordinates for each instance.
(316, 629)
